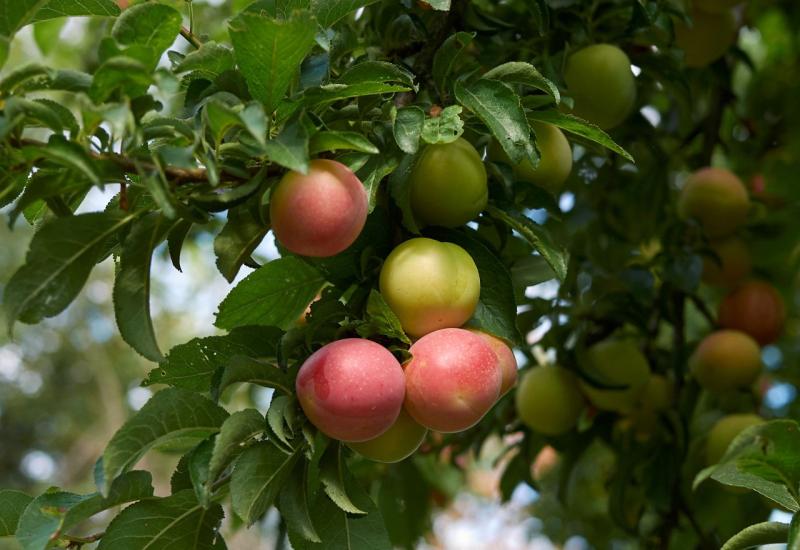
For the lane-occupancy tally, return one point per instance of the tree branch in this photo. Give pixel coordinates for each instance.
(176, 176)
(191, 38)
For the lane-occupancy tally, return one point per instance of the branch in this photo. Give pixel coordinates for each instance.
(191, 38)
(176, 176)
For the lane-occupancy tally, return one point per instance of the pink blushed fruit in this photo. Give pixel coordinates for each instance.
(351, 389)
(321, 213)
(452, 380)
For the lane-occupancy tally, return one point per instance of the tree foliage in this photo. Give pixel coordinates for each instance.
(192, 123)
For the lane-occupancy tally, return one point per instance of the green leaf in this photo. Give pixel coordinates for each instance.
(5, 44)
(293, 504)
(336, 141)
(66, 153)
(238, 239)
(497, 310)
(59, 512)
(381, 320)
(445, 128)
(237, 430)
(332, 477)
(253, 371)
(518, 72)
(447, 57)
(48, 183)
(197, 464)
(762, 458)
(46, 34)
(342, 531)
(151, 25)
(281, 409)
(132, 284)
(18, 13)
(536, 236)
(12, 505)
(407, 128)
(258, 477)
(210, 61)
(73, 8)
(275, 294)
(269, 52)
(768, 532)
(175, 240)
(119, 73)
(329, 12)
(441, 5)
(290, 147)
(400, 191)
(500, 110)
(579, 127)
(794, 533)
(173, 418)
(60, 258)
(372, 175)
(363, 79)
(192, 365)
(177, 521)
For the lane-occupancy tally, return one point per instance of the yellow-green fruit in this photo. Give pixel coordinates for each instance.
(555, 163)
(725, 431)
(707, 37)
(731, 266)
(398, 442)
(616, 362)
(600, 80)
(587, 489)
(657, 394)
(716, 6)
(726, 360)
(448, 184)
(549, 400)
(717, 199)
(430, 285)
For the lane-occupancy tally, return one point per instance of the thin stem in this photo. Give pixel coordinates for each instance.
(191, 37)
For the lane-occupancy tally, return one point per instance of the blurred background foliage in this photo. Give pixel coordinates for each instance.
(65, 385)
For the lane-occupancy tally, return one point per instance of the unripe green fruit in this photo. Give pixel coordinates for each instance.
(731, 266)
(555, 163)
(397, 443)
(657, 394)
(615, 362)
(448, 184)
(708, 38)
(726, 360)
(430, 285)
(725, 431)
(549, 400)
(600, 80)
(717, 199)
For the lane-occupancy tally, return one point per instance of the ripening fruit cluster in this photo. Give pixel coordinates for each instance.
(355, 390)
(615, 377)
(750, 315)
(709, 34)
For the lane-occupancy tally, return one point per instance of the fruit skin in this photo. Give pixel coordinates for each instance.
(725, 431)
(321, 213)
(452, 380)
(717, 199)
(600, 80)
(351, 389)
(726, 360)
(505, 359)
(395, 444)
(731, 266)
(755, 308)
(615, 362)
(708, 38)
(555, 163)
(448, 184)
(549, 400)
(430, 285)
